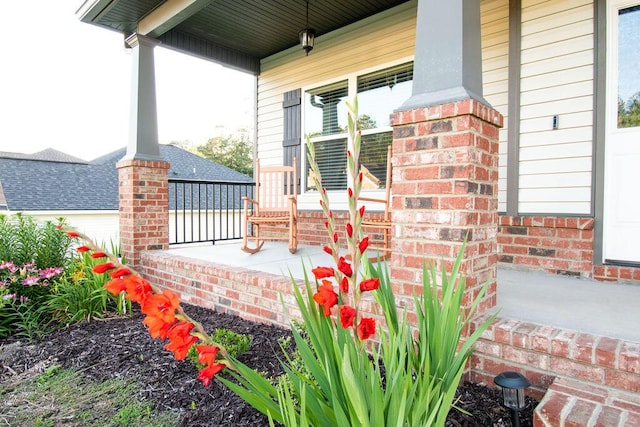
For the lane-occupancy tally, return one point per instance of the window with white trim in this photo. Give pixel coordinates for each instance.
(325, 123)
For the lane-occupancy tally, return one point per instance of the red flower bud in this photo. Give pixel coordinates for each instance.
(59, 226)
(330, 214)
(103, 268)
(328, 250)
(122, 271)
(322, 272)
(350, 191)
(363, 244)
(83, 248)
(326, 224)
(349, 153)
(349, 230)
(98, 254)
(344, 267)
(347, 316)
(344, 285)
(360, 176)
(369, 284)
(366, 328)
(361, 211)
(335, 237)
(73, 234)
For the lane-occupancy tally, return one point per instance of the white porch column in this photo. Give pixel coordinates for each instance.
(143, 120)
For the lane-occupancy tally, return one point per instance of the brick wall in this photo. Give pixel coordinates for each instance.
(558, 245)
(542, 353)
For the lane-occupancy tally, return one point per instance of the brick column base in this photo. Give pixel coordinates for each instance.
(445, 188)
(144, 207)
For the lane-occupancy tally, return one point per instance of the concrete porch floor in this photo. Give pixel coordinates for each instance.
(599, 308)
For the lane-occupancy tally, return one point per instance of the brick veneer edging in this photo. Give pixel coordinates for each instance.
(558, 245)
(239, 291)
(542, 353)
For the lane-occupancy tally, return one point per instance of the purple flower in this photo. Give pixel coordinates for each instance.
(50, 272)
(8, 297)
(30, 280)
(8, 265)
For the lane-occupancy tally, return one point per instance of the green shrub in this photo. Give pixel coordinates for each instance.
(24, 240)
(81, 295)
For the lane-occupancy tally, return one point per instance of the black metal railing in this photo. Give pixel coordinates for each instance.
(206, 211)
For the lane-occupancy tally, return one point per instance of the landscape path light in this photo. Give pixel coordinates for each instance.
(513, 385)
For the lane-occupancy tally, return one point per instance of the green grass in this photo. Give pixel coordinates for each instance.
(64, 397)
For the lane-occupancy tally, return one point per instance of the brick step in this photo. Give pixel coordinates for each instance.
(572, 403)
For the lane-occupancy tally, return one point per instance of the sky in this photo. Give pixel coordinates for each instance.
(66, 85)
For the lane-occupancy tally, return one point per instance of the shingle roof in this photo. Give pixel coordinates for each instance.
(48, 154)
(35, 184)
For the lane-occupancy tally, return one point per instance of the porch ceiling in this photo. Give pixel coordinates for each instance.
(236, 33)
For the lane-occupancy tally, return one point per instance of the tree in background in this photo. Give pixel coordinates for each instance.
(233, 151)
(629, 112)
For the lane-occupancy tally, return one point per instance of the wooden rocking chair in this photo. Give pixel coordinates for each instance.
(380, 225)
(274, 210)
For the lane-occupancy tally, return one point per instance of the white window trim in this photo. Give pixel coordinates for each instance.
(310, 200)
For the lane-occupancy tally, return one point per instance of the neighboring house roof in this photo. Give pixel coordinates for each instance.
(31, 183)
(49, 155)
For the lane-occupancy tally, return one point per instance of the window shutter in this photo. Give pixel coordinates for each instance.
(291, 142)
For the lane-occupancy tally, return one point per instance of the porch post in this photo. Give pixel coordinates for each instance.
(142, 173)
(445, 148)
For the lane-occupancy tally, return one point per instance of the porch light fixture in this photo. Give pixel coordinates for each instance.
(307, 35)
(513, 385)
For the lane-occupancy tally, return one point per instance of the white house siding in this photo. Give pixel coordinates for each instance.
(556, 79)
(100, 226)
(370, 44)
(495, 76)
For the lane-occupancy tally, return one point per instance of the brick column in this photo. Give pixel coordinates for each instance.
(144, 207)
(445, 187)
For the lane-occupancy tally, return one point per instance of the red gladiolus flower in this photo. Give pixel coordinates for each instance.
(73, 234)
(83, 248)
(350, 191)
(115, 286)
(207, 354)
(347, 315)
(369, 284)
(349, 230)
(162, 305)
(103, 268)
(364, 243)
(362, 208)
(344, 267)
(138, 289)
(180, 339)
(328, 250)
(205, 375)
(157, 327)
(366, 328)
(120, 272)
(322, 272)
(344, 285)
(326, 297)
(98, 254)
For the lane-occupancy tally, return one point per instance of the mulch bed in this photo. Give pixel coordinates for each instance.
(121, 347)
